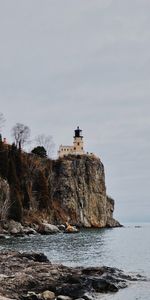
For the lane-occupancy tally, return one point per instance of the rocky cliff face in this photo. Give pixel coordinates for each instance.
(4, 199)
(71, 189)
(79, 192)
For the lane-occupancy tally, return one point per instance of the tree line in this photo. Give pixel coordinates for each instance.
(44, 145)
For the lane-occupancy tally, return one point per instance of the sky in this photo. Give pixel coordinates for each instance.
(80, 62)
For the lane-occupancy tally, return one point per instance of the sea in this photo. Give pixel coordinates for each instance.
(126, 248)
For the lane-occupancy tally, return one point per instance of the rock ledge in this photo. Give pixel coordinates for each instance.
(30, 276)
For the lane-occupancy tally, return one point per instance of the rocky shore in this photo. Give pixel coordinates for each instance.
(17, 229)
(31, 276)
(13, 228)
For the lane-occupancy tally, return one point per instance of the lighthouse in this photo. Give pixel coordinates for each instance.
(78, 145)
(78, 141)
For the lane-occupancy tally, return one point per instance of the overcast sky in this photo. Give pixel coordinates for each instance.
(81, 62)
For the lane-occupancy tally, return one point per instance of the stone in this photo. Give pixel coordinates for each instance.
(62, 227)
(5, 298)
(31, 296)
(46, 228)
(61, 297)
(29, 230)
(71, 229)
(103, 285)
(48, 295)
(15, 227)
(38, 257)
(2, 236)
(87, 296)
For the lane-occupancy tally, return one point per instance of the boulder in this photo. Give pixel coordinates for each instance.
(2, 236)
(15, 227)
(46, 228)
(62, 227)
(31, 296)
(71, 229)
(87, 296)
(29, 230)
(48, 295)
(103, 286)
(5, 298)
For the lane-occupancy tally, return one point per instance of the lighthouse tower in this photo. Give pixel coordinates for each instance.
(76, 149)
(78, 145)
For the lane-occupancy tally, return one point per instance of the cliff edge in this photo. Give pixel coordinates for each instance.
(79, 192)
(70, 189)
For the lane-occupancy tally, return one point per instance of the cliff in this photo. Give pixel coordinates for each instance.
(71, 189)
(79, 192)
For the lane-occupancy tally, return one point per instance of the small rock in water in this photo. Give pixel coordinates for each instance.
(2, 236)
(87, 297)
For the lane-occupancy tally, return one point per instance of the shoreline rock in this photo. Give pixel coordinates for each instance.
(31, 276)
(13, 228)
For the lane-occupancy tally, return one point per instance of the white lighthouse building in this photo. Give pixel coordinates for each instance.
(77, 148)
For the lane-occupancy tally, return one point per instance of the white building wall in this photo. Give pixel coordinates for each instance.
(76, 149)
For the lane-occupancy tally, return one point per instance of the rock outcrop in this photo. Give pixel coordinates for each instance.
(4, 200)
(79, 192)
(70, 189)
(30, 276)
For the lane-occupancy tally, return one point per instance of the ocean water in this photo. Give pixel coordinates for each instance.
(126, 248)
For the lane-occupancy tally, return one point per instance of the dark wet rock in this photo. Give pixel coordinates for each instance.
(103, 286)
(27, 276)
(61, 227)
(39, 257)
(87, 297)
(2, 236)
(74, 290)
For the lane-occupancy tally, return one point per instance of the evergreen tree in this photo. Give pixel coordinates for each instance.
(40, 151)
(3, 161)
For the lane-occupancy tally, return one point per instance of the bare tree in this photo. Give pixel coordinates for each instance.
(2, 121)
(21, 134)
(46, 142)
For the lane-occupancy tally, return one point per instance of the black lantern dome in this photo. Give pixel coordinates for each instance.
(78, 132)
